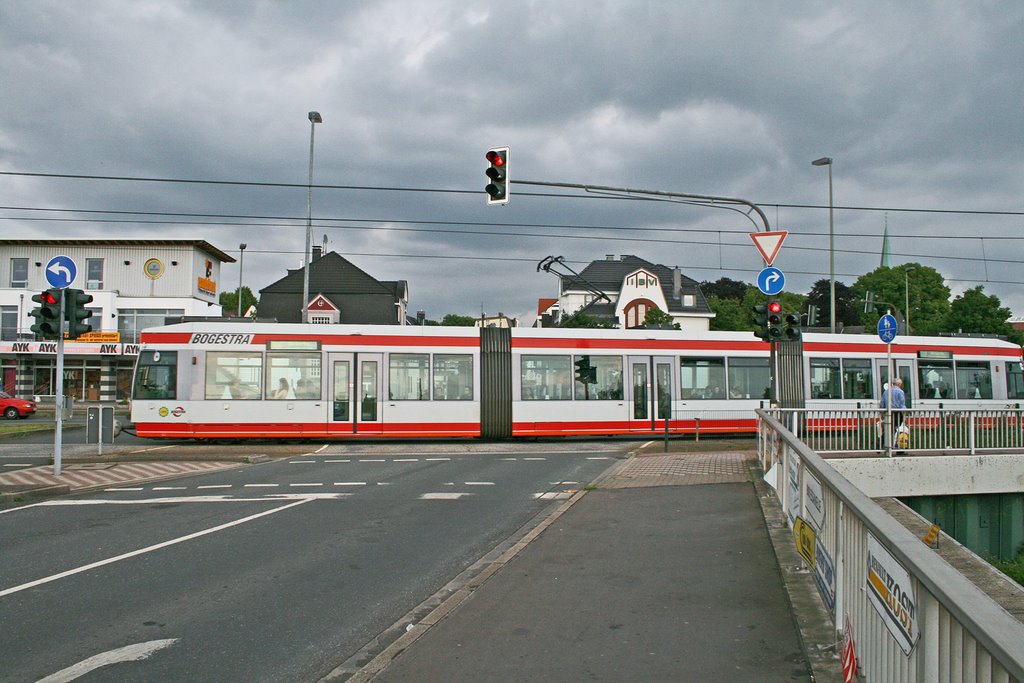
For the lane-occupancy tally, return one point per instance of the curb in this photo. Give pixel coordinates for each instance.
(34, 493)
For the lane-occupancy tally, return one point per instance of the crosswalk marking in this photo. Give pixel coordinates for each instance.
(443, 496)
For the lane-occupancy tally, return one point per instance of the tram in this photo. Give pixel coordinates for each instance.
(219, 380)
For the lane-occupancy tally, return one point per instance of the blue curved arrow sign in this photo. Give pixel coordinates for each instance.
(61, 271)
(771, 281)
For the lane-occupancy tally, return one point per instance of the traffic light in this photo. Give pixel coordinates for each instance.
(761, 321)
(47, 314)
(774, 320)
(497, 172)
(812, 315)
(585, 373)
(76, 312)
(792, 331)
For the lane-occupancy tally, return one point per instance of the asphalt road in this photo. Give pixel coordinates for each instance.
(271, 572)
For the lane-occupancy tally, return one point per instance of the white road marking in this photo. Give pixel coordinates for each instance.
(320, 484)
(407, 459)
(372, 460)
(553, 495)
(148, 549)
(598, 457)
(258, 486)
(534, 458)
(299, 462)
(128, 653)
(126, 488)
(510, 458)
(337, 461)
(17, 464)
(350, 483)
(437, 459)
(479, 483)
(443, 496)
(168, 488)
(215, 486)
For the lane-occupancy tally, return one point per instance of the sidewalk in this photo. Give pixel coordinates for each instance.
(666, 571)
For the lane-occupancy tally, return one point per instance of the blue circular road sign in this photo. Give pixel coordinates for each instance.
(771, 281)
(887, 328)
(61, 271)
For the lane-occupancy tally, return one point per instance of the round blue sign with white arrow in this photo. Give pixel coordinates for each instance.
(887, 328)
(61, 271)
(771, 281)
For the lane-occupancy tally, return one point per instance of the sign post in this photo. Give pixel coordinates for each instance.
(60, 273)
(887, 330)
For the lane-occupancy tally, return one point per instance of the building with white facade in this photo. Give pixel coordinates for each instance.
(135, 284)
(622, 290)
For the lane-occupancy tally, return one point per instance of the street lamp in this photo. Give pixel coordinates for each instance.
(827, 161)
(314, 118)
(241, 262)
(906, 296)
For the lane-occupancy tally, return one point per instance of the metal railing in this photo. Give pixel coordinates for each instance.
(928, 430)
(911, 616)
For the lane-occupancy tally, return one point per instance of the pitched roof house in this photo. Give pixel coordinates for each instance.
(339, 292)
(631, 286)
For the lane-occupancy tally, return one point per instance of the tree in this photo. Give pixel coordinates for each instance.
(657, 318)
(848, 309)
(454, 320)
(584, 320)
(730, 314)
(229, 302)
(929, 296)
(974, 311)
(724, 288)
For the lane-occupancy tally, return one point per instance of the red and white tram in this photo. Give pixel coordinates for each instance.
(217, 380)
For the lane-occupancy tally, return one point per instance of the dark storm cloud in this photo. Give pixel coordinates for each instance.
(918, 104)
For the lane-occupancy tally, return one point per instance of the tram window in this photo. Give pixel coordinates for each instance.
(1014, 380)
(453, 377)
(857, 378)
(825, 379)
(156, 375)
(606, 376)
(409, 377)
(973, 379)
(935, 378)
(749, 378)
(546, 378)
(234, 375)
(292, 375)
(702, 378)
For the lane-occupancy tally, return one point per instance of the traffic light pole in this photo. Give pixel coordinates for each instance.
(58, 401)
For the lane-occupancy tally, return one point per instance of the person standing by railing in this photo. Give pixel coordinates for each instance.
(894, 398)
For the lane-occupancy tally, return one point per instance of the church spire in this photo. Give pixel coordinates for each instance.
(886, 250)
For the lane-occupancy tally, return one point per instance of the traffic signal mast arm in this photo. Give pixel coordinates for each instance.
(710, 200)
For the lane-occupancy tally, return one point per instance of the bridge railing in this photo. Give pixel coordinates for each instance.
(911, 616)
(929, 430)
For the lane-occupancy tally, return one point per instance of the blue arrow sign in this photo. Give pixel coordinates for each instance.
(887, 328)
(61, 271)
(771, 281)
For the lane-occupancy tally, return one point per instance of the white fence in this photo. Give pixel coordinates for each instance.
(911, 616)
(929, 430)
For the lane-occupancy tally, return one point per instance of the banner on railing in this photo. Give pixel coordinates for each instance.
(891, 593)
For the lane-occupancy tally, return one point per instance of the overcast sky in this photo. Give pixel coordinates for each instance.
(919, 105)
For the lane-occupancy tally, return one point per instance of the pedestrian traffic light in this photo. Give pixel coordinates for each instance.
(792, 331)
(774, 320)
(497, 172)
(76, 312)
(47, 314)
(585, 373)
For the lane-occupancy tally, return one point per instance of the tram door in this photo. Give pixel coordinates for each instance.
(356, 382)
(650, 392)
(904, 370)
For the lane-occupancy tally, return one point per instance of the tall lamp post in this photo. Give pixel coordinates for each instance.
(906, 296)
(827, 161)
(241, 262)
(314, 118)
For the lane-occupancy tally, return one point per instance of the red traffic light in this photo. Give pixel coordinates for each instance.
(774, 307)
(496, 157)
(47, 297)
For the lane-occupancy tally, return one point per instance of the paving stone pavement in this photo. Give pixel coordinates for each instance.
(680, 469)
